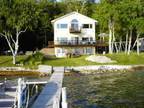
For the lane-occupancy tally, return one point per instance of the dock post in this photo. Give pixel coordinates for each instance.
(52, 70)
(64, 101)
(56, 103)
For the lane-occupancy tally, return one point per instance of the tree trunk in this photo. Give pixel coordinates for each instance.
(14, 59)
(116, 47)
(138, 51)
(120, 45)
(110, 37)
(126, 43)
(113, 38)
(129, 45)
(134, 43)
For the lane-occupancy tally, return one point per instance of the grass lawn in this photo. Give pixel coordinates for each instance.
(124, 59)
(121, 58)
(78, 61)
(7, 60)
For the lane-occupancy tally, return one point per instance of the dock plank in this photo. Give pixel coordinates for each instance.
(51, 91)
(7, 98)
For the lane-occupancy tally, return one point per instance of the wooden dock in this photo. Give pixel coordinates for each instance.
(7, 95)
(51, 93)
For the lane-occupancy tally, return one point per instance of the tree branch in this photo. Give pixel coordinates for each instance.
(22, 31)
(8, 41)
(2, 34)
(12, 39)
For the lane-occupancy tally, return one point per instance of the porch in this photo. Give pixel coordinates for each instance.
(76, 43)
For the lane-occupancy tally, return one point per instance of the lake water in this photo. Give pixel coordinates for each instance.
(106, 90)
(13, 80)
(26, 78)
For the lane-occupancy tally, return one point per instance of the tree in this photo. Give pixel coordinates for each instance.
(15, 18)
(76, 5)
(130, 15)
(123, 18)
(106, 13)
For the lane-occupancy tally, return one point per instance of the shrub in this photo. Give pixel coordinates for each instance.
(34, 60)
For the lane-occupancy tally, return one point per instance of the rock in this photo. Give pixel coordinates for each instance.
(100, 59)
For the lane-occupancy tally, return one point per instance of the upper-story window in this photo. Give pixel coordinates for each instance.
(62, 26)
(87, 26)
(74, 24)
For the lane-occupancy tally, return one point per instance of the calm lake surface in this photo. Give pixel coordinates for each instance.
(106, 90)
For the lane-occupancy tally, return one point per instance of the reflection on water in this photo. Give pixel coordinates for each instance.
(106, 90)
(26, 78)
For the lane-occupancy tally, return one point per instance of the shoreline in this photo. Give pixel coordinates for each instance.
(104, 67)
(46, 69)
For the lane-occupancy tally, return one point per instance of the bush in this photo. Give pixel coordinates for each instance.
(34, 60)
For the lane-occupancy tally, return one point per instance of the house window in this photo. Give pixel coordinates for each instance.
(91, 39)
(87, 26)
(63, 50)
(62, 40)
(90, 25)
(88, 50)
(74, 24)
(62, 26)
(58, 51)
(85, 39)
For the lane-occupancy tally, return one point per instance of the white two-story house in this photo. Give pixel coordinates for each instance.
(74, 33)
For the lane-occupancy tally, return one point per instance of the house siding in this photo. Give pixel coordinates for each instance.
(64, 35)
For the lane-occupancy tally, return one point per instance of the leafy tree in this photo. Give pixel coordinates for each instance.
(76, 5)
(105, 13)
(15, 18)
(121, 18)
(130, 17)
(139, 22)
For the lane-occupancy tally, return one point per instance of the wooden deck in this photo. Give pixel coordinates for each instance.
(7, 95)
(52, 44)
(52, 91)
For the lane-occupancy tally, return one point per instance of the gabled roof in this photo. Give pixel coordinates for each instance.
(71, 14)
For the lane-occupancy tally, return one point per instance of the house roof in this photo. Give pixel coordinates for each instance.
(71, 14)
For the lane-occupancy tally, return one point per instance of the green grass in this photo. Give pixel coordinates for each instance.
(6, 61)
(30, 61)
(121, 58)
(78, 61)
(124, 59)
(34, 60)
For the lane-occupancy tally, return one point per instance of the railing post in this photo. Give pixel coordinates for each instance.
(64, 101)
(19, 93)
(36, 89)
(5, 81)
